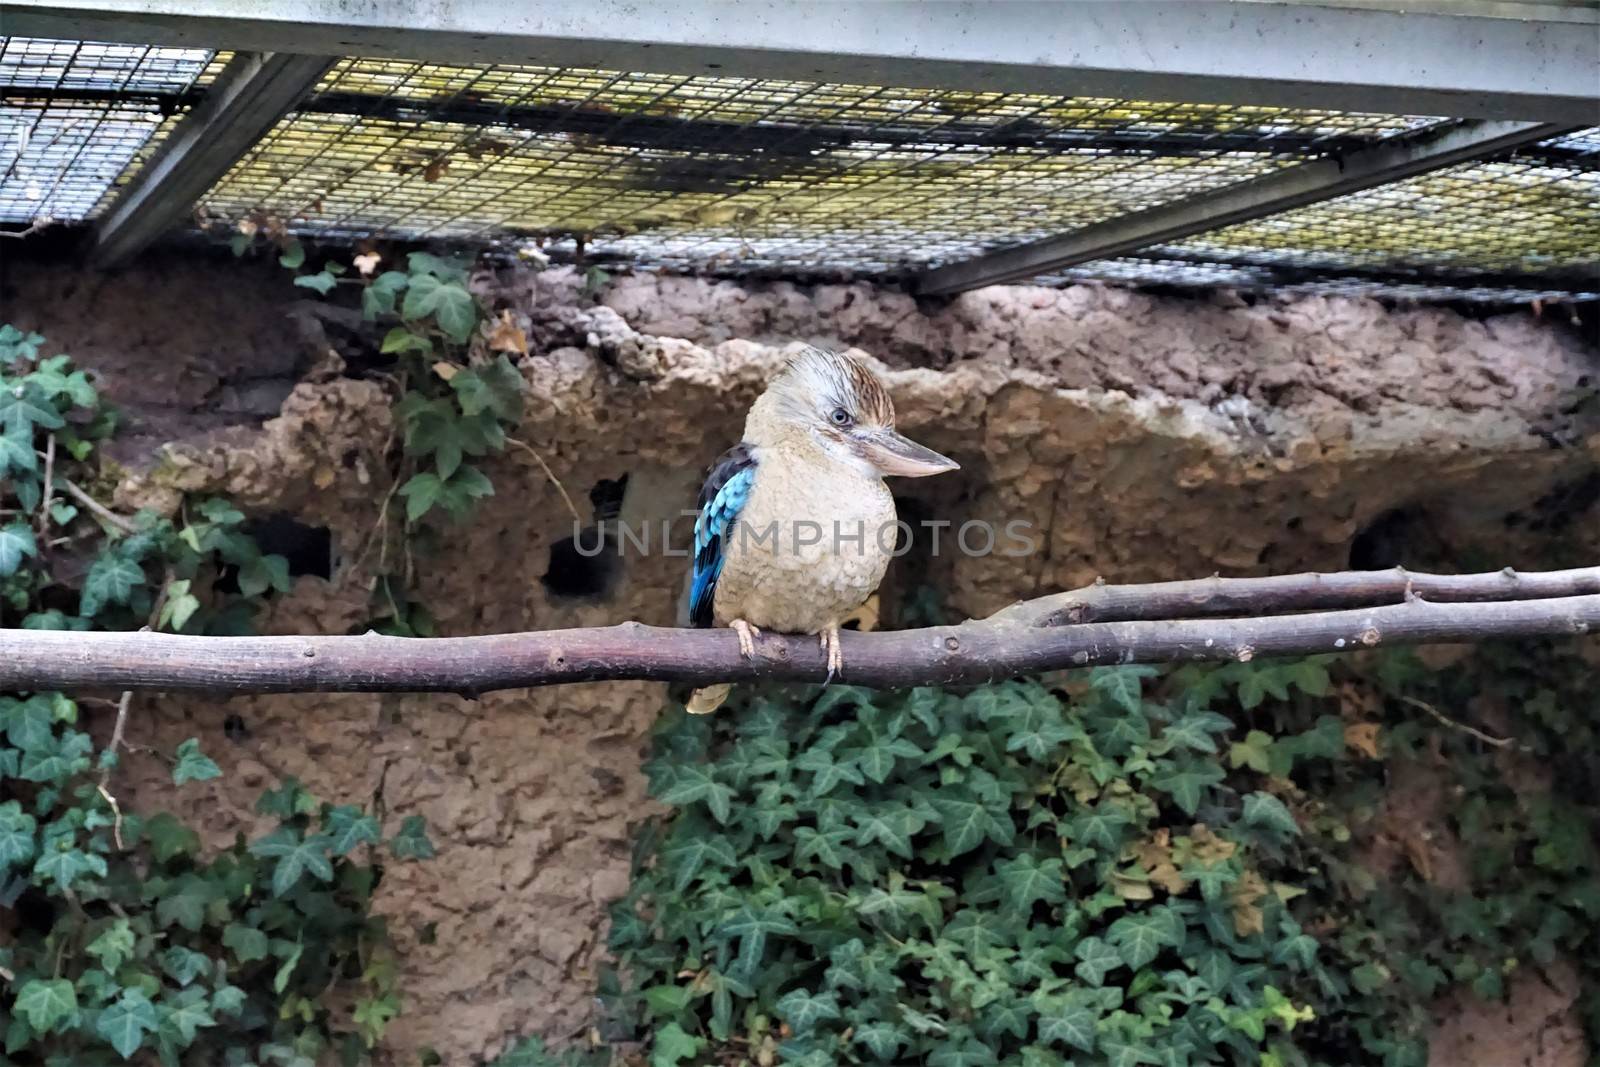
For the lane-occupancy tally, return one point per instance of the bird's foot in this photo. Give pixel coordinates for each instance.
(747, 637)
(830, 646)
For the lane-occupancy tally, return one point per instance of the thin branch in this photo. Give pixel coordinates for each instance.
(1488, 739)
(972, 652)
(43, 519)
(102, 512)
(550, 474)
(1216, 596)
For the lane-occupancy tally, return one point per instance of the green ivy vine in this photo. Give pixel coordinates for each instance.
(1108, 868)
(458, 395)
(121, 938)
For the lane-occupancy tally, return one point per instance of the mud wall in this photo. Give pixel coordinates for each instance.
(1140, 437)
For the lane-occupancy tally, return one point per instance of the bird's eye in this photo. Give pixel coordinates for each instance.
(840, 417)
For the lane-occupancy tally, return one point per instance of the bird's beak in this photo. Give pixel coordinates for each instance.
(895, 454)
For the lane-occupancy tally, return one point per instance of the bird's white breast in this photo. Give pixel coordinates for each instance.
(811, 545)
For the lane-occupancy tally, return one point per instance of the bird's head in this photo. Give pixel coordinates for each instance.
(838, 404)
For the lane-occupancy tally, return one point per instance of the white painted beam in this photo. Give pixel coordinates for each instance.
(1371, 58)
(250, 94)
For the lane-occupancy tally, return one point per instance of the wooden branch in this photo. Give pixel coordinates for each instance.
(1215, 596)
(972, 652)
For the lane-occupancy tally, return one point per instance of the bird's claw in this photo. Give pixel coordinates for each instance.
(830, 648)
(747, 637)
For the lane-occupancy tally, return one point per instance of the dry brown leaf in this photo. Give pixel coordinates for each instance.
(1362, 737)
(436, 169)
(1420, 855)
(1207, 847)
(445, 370)
(323, 477)
(1245, 896)
(1129, 887)
(506, 336)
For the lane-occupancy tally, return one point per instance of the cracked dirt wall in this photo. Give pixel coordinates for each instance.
(1141, 437)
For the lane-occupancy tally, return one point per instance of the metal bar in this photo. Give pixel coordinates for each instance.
(1322, 179)
(250, 94)
(1469, 64)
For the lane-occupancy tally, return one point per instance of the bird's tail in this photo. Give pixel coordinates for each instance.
(705, 701)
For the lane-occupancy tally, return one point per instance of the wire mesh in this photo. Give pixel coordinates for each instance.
(700, 172)
(75, 114)
(1534, 213)
(739, 176)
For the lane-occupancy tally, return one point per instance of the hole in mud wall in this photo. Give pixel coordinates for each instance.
(308, 550)
(1400, 537)
(588, 565)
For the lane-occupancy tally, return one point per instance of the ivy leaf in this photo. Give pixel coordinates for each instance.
(323, 282)
(1139, 936)
(825, 846)
(125, 1023)
(1184, 784)
(692, 784)
(1026, 880)
(64, 864)
(968, 1053)
(228, 1000)
(451, 306)
(169, 838)
(690, 851)
(1121, 686)
(411, 842)
(348, 827)
(421, 493)
(193, 765)
(751, 926)
(179, 608)
(29, 724)
(185, 1017)
(186, 902)
(882, 1039)
(248, 943)
(16, 450)
(1100, 827)
(263, 572)
(25, 406)
(16, 541)
(828, 772)
(877, 758)
(111, 580)
(295, 856)
(673, 1045)
(968, 823)
(114, 946)
(401, 339)
(891, 826)
(802, 1010)
(1267, 812)
(184, 965)
(1096, 959)
(1067, 1021)
(1193, 731)
(378, 298)
(293, 256)
(47, 1002)
(1255, 752)
(494, 387)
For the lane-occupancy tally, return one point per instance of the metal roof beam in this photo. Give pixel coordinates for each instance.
(1469, 64)
(250, 94)
(1322, 179)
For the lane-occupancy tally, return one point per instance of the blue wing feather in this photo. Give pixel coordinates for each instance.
(726, 489)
